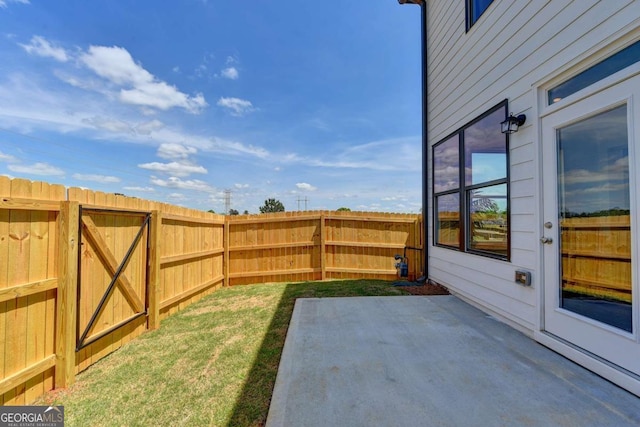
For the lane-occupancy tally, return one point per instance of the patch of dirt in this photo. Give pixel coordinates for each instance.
(426, 289)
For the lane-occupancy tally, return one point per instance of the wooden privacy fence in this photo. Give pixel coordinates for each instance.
(84, 272)
(297, 246)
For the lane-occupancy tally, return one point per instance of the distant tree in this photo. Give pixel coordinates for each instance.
(211, 211)
(485, 204)
(233, 212)
(272, 205)
(246, 212)
(343, 209)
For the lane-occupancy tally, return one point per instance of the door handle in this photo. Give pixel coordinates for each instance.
(546, 240)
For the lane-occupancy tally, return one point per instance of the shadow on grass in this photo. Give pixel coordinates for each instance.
(252, 405)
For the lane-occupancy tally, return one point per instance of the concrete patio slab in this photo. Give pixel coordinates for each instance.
(422, 361)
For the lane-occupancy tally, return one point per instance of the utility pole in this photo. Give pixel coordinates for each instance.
(305, 202)
(227, 201)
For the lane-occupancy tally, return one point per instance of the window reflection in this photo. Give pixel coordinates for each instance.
(475, 9)
(448, 220)
(488, 220)
(446, 165)
(628, 56)
(594, 203)
(485, 150)
(594, 165)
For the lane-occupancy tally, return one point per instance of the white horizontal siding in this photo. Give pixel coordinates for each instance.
(513, 46)
(485, 285)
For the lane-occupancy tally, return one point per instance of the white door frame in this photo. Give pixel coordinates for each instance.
(592, 362)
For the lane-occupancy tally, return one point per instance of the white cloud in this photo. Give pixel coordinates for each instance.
(104, 179)
(305, 186)
(226, 146)
(230, 73)
(201, 71)
(116, 65)
(140, 189)
(108, 124)
(189, 184)
(620, 168)
(175, 151)
(399, 154)
(394, 198)
(162, 96)
(26, 103)
(41, 47)
(173, 168)
(39, 168)
(236, 106)
(241, 186)
(609, 187)
(147, 128)
(5, 3)
(7, 157)
(139, 87)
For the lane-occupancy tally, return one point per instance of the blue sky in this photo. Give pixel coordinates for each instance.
(178, 101)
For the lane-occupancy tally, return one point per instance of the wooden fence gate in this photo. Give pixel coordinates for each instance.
(112, 278)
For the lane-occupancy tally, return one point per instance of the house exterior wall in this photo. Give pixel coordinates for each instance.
(513, 49)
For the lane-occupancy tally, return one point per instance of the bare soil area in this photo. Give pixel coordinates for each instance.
(426, 289)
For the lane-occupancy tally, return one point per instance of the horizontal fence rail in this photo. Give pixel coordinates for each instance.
(69, 269)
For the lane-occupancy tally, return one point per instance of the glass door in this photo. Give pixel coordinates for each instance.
(589, 229)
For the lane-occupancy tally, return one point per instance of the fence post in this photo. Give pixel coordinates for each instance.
(153, 313)
(66, 305)
(422, 242)
(225, 245)
(323, 247)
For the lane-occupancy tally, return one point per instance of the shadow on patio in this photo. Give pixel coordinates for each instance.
(253, 403)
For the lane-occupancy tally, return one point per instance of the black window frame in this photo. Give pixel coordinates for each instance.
(464, 190)
(470, 21)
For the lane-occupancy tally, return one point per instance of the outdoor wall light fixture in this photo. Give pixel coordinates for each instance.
(512, 123)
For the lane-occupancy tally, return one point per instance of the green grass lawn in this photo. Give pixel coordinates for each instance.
(215, 363)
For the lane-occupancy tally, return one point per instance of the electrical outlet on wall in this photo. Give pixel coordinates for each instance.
(523, 277)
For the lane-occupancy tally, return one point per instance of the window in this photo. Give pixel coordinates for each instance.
(627, 56)
(471, 187)
(475, 8)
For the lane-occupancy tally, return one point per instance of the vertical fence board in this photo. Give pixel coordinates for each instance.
(226, 244)
(153, 316)
(67, 292)
(36, 315)
(5, 191)
(18, 273)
